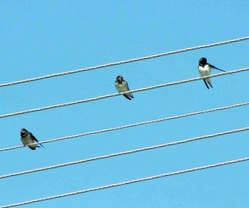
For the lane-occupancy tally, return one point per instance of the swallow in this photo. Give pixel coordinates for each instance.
(28, 138)
(122, 86)
(205, 70)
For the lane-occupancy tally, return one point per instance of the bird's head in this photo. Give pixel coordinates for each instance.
(119, 79)
(23, 131)
(202, 61)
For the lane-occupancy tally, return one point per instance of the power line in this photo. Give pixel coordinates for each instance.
(127, 182)
(125, 152)
(116, 94)
(124, 62)
(133, 125)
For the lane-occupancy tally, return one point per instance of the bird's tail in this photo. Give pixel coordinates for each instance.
(39, 145)
(209, 82)
(42, 145)
(127, 97)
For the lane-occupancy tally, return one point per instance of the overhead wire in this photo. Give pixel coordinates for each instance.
(112, 64)
(117, 94)
(125, 61)
(132, 125)
(125, 152)
(126, 126)
(127, 182)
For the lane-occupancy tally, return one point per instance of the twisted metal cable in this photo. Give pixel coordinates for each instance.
(116, 94)
(132, 125)
(125, 152)
(127, 182)
(125, 61)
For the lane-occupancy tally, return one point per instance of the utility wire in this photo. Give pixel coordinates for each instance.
(116, 94)
(127, 182)
(132, 125)
(125, 152)
(124, 62)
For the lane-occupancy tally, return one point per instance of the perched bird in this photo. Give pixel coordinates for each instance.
(28, 138)
(205, 70)
(122, 86)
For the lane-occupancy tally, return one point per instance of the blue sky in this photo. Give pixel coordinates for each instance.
(43, 37)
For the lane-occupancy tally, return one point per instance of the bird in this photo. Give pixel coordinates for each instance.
(28, 138)
(205, 70)
(122, 86)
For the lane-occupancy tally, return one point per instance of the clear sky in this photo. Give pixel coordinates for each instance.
(43, 37)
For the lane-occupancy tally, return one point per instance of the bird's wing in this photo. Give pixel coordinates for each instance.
(129, 90)
(126, 85)
(33, 137)
(212, 66)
